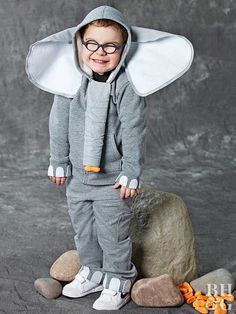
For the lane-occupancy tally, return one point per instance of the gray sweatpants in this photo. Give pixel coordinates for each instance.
(101, 220)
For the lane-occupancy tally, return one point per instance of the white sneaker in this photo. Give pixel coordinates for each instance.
(80, 287)
(111, 300)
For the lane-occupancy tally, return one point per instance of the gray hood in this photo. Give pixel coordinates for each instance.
(102, 12)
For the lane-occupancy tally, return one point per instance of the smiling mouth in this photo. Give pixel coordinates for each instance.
(99, 61)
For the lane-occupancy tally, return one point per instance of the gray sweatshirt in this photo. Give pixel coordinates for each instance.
(124, 142)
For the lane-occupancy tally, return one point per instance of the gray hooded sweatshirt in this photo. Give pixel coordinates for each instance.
(103, 125)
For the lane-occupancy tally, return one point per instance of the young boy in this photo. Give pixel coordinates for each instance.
(101, 132)
(97, 129)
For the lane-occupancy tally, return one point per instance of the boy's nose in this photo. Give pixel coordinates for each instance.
(100, 51)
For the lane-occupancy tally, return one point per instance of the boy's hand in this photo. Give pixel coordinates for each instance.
(126, 192)
(58, 180)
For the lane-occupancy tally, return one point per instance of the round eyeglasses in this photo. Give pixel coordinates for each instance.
(93, 46)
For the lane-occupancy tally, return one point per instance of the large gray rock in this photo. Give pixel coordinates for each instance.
(162, 236)
(220, 280)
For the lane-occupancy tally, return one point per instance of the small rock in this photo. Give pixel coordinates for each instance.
(221, 278)
(66, 266)
(48, 287)
(156, 292)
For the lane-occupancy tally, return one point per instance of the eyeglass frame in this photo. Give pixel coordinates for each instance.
(117, 47)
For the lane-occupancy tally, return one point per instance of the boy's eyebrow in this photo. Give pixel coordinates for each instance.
(109, 42)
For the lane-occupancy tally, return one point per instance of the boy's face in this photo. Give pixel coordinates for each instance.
(99, 61)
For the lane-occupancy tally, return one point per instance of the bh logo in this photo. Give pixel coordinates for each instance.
(213, 289)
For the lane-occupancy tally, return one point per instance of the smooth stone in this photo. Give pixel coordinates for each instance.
(48, 287)
(162, 236)
(66, 266)
(156, 292)
(217, 277)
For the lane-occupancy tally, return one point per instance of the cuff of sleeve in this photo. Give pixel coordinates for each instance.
(59, 170)
(132, 183)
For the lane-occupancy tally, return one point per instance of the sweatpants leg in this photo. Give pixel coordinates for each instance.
(112, 220)
(101, 222)
(83, 222)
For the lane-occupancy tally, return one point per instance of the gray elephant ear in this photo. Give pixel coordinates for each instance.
(156, 59)
(50, 64)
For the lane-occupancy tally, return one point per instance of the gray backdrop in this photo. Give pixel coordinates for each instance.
(191, 142)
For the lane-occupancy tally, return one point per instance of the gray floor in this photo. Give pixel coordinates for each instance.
(35, 230)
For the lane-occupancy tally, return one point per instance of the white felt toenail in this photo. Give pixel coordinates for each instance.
(50, 171)
(68, 171)
(123, 180)
(133, 184)
(59, 172)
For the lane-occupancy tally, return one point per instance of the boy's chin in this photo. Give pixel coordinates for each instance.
(100, 70)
